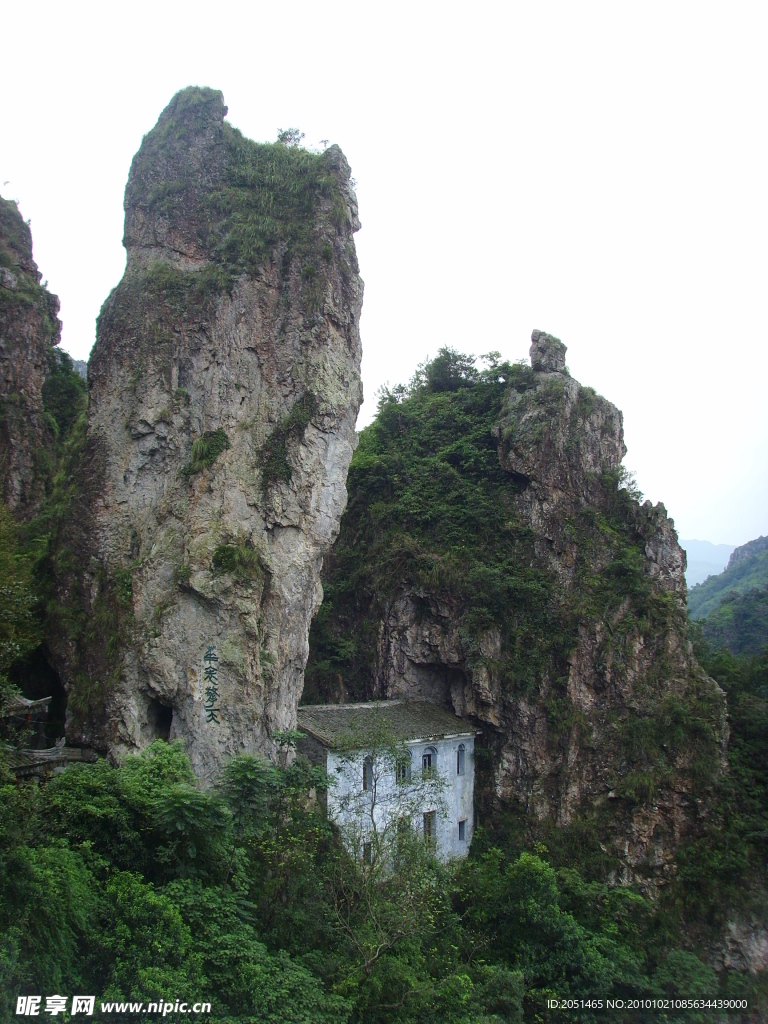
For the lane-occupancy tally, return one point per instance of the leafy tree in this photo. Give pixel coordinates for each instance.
(448, 371)
(290, 136)
(517, 904)
(279, 836)
(46, 898)
(271, 915)
(195, 825)
(141, 947)
(49, 898)
(64, 392)
(682, 975)
(240, 970)
(115, 810)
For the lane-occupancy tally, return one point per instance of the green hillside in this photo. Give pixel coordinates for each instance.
(740, 623)
(747, 571)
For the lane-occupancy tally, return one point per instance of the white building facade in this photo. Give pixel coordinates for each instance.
(395, 764)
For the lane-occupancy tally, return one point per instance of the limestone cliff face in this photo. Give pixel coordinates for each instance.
(224, 389)
(594, 707)
(29, 328)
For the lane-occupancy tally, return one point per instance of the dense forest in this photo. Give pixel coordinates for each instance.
(131, 882)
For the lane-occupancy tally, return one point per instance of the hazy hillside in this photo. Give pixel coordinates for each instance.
(704, 559)
(747, 569)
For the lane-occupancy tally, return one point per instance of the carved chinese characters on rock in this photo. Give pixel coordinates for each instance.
(211, 684)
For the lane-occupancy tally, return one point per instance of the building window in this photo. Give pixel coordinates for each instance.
(403, 769)
(401, 841)
(463, 830)
(368, 773)
(429, 759)
(460, 759)
(367, 853)
(430, 827)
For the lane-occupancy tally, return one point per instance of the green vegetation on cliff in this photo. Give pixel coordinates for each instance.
(273, 456)
(20, 631)
(431, 508)
(243, 198)
(22, 288)
(205, 451)
(719, 879)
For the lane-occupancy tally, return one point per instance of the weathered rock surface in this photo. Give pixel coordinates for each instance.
(616, 720)
(744, 947)
(224, 390)
(29, 327)
(747, 551)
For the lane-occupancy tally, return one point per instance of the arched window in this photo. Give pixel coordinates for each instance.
(429, 759)
(403, 768)
(460, 759)
(368, 773)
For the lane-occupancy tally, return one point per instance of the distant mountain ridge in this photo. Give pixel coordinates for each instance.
(704, 559)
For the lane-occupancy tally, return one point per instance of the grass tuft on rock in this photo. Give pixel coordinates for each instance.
(205, 451)
(273, 457)
(237, 560)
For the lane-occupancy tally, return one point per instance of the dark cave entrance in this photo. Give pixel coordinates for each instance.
(159, 719)
(439, 683)
(37, 679)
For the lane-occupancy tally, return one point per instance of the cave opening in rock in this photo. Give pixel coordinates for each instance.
(36, 679)
(441, 684)
(159, 719)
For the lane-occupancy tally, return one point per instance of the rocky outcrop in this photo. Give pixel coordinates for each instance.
(224, 389)
(744, 946)
(747, 552)
(592, 707)
(29, 328)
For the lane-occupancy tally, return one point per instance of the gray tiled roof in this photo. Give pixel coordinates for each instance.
(20, 706)
(28, 762)
(348, 726)
(31, 762)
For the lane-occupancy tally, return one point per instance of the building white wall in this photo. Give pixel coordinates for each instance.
(361, 814)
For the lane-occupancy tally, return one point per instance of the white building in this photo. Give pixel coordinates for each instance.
(395, 762)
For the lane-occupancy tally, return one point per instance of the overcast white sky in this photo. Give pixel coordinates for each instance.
(595, 170)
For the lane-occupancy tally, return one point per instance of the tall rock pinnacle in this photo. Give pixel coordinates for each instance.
(29, 328)
(224, 390)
